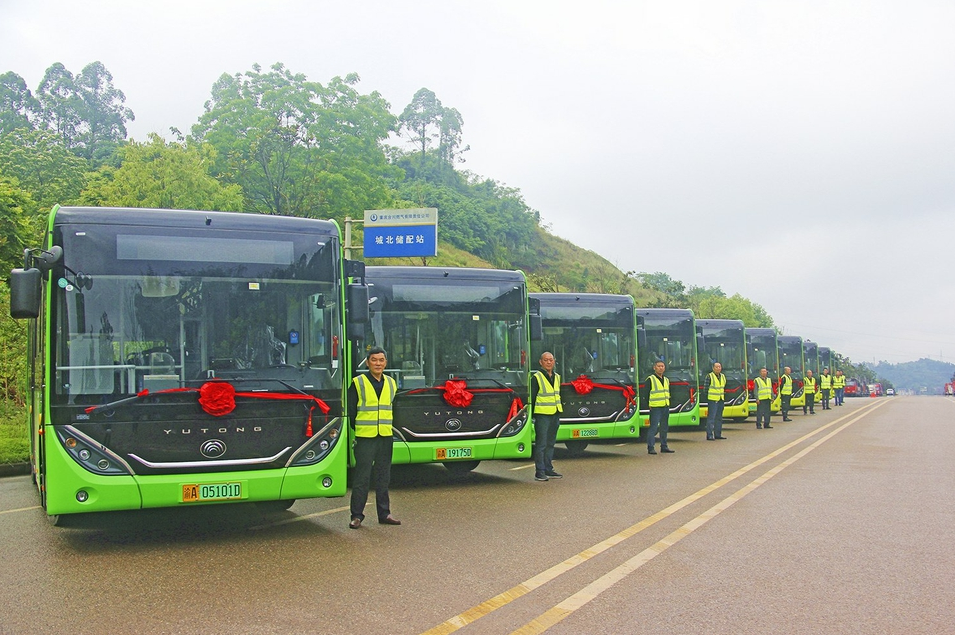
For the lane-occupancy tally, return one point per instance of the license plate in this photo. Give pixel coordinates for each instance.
(199, 493)
(583, 434)
(443, 454)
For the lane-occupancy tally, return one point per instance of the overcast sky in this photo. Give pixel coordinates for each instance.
(801, 154)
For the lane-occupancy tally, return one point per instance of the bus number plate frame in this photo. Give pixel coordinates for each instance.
(208, 492)
(450, 454)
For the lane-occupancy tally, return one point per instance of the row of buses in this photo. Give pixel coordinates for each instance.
(183, 357)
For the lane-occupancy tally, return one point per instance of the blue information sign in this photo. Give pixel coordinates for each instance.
(393, 233)
(390, 242)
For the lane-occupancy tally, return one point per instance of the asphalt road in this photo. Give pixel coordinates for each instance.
(841, 522)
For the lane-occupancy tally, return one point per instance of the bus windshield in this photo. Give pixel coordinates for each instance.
(726, 347)
(670, 339)
(135, 312)
(439, 329)
(597, 341)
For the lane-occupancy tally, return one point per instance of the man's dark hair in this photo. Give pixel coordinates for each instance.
(374, 350)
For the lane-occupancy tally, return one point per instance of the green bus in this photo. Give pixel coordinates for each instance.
(762, 352)
(458, 345)
(593, 339)
(178, 358)
(724, 341)
(791, 354)
(670, 336)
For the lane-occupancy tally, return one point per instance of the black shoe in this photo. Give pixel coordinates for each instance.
(355, 523)
(767, 426)
(720, 437)
(667, 450)
(651, 451)
(540, 477)
(710, 438)
(783, 420)
(759, 427)
(389, 520)
(553, 474)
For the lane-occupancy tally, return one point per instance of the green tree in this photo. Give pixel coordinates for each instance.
(171, 175)
(672, 292)
(425, 121)
(17, 209)
(60, 104)
(18, 107)
(102, 112)
(297, 147)
(43, 166)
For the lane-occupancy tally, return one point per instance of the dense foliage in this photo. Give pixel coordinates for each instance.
(272, 141)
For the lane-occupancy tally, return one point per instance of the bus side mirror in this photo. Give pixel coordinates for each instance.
(356, 296)
(25, 294)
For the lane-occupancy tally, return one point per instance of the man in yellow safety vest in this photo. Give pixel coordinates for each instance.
(370, 397)
(714, 387)
(659, 401)
(545, 394)
(809, 388)
(786, 392)
(825, 385)
(764, 398)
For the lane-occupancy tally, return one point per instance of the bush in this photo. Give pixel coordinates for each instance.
(14, 437)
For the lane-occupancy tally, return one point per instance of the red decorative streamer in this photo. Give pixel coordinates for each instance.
(217, 398)
(584, 386)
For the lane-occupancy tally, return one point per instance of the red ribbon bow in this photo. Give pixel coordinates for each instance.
(583, 385)
(457, 394)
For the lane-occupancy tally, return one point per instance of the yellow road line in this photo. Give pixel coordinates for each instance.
(21, 509)
(522, 467)
(598, 586)
(474, 613)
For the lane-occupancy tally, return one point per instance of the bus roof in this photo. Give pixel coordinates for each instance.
(609, 299)
(463, 274)
(149, 217)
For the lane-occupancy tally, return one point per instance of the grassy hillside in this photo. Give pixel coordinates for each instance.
(552, 264)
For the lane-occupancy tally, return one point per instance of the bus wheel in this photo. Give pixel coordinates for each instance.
(576, 448)
(460, 467)
(739, 419)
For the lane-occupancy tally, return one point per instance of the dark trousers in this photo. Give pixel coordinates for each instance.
(786, 405)
(763, 412)
(659, 419)
(714, 419)
(371, 453)
(810, 403)
(545, 437)
(825, 398)
(840, 396)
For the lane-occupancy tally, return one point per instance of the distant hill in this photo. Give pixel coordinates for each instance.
(925, 373)
(552, 264)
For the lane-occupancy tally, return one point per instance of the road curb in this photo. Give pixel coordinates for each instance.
(14, 469)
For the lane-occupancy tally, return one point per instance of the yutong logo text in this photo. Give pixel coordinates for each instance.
(213, 430)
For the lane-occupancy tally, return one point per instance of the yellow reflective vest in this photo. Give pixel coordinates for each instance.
(548, 395)
(825, 382)
(374, 416)
(839, 381)
(764, 389)
(810, 385)
(717, 387)
(785, 385)
(659, 392)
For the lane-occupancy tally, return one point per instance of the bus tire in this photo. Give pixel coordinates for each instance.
(739, 419)
(576, 448)
(460, 467)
